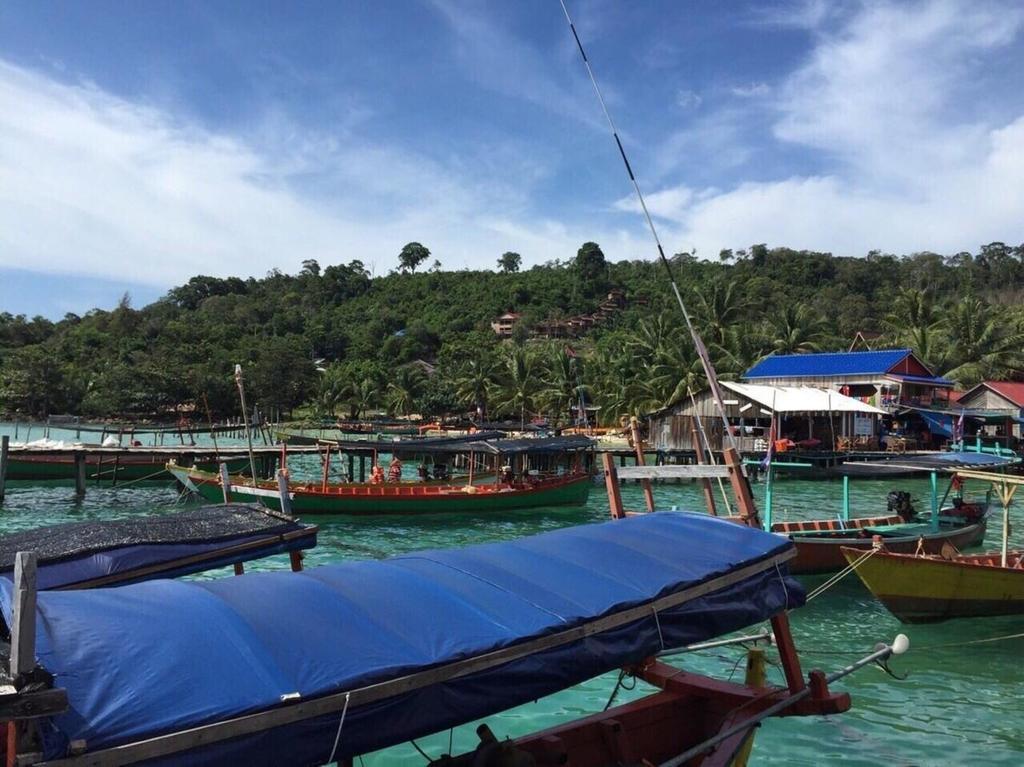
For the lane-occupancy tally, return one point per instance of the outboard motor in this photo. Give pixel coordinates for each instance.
(899, 502)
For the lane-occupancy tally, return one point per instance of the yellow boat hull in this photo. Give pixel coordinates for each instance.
(928, 589)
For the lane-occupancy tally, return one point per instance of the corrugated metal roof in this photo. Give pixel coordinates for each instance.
(800, 399)
(1012, 390)
(827, 364)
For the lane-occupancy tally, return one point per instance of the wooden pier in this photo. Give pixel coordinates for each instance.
(127, 464)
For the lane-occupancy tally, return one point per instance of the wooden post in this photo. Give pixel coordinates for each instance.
(611, 484)
(282, 489)
(296, 560)
(698, 449)
(351, 468)
(787, 653)
(80, 473)
(327, 467)
(225, 482)
(741, 488)
(638, 448)
(5, 444)
(23, 629)
(239, 568)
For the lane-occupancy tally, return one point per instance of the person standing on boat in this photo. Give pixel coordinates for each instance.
(395, 470)
(422, 473)
(377, 475)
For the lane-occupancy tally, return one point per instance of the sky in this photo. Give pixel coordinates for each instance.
(144, 143)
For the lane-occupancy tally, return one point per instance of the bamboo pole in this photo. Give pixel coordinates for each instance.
(638, 448)
(245, 419)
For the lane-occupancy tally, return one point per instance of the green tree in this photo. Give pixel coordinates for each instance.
(796, 329)
(517, 381)
(473, 382)
(591, 269)
(404, 389)
(412, 255)
(510, 262)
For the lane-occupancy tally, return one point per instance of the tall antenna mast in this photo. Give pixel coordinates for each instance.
(702, 352)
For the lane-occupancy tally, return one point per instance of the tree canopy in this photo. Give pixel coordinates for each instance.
(337, 341)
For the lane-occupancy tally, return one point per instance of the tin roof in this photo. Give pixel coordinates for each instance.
(827, 364)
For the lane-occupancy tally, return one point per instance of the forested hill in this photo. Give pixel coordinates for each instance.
(343, 342)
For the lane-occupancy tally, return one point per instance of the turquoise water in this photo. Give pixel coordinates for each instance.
(958, 705)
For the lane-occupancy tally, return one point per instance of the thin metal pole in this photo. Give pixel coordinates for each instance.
(702, 352)
(245, 421)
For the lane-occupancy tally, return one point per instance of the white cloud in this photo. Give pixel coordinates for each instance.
(96, 185)
(880, 105)
(688, 99)
(751, 90)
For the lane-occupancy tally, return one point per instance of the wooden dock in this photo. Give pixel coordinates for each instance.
(112, 465)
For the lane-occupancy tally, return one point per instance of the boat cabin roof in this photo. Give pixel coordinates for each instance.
(87, 554)
(363, 655)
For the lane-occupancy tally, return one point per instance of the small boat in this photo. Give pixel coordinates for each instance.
(44, 462)
(928, 586)
(538, 473)
(394, 497)
(91, 554)
(820, 543)
(346, 659)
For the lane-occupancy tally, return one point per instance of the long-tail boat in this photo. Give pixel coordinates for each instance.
(57, 462)
(346, 659)
(925, 587)
(520, 487)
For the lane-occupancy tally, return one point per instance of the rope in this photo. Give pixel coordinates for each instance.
(657, 623)
(842, 573)
(143, 479)
(943, 646)
(337, 737)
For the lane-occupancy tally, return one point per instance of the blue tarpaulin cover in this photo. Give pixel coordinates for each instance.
(161, 656)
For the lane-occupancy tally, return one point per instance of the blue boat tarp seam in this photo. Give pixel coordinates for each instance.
(497, 587)
(346, 626)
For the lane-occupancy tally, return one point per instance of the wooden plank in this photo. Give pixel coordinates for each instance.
(634, 430)
(23, 629)
(698, 449)
(741, 488)
(611, 484)
(32, 705)
(301, 710)
(692, 471)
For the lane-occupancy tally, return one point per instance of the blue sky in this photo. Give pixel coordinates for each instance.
(143, 143)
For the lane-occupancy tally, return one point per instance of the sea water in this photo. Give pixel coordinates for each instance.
(959, 703)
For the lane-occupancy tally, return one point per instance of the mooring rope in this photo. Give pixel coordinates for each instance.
(842, 574)
(341, 723)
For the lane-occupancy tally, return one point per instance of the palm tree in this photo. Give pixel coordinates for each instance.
(405, 389)
(517, 381)
(361, 396)
(982, 344)
(611, 372)
(916, 321)
(796, 330)
(473, 382)
(719, 306)
(561, 383)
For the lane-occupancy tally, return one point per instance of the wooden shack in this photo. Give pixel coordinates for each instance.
(809, 417)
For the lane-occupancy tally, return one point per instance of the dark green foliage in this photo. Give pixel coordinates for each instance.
(412, 255)
(370, 337)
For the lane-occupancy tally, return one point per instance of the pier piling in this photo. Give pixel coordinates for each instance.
(23, 628)
(5, 445)
(80, 474)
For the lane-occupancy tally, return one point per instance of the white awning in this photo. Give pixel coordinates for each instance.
(800, 399)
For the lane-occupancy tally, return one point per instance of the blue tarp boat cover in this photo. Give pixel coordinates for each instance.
(121, 551)
(161, 656)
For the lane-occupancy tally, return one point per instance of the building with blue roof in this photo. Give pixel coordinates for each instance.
(888, 378)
